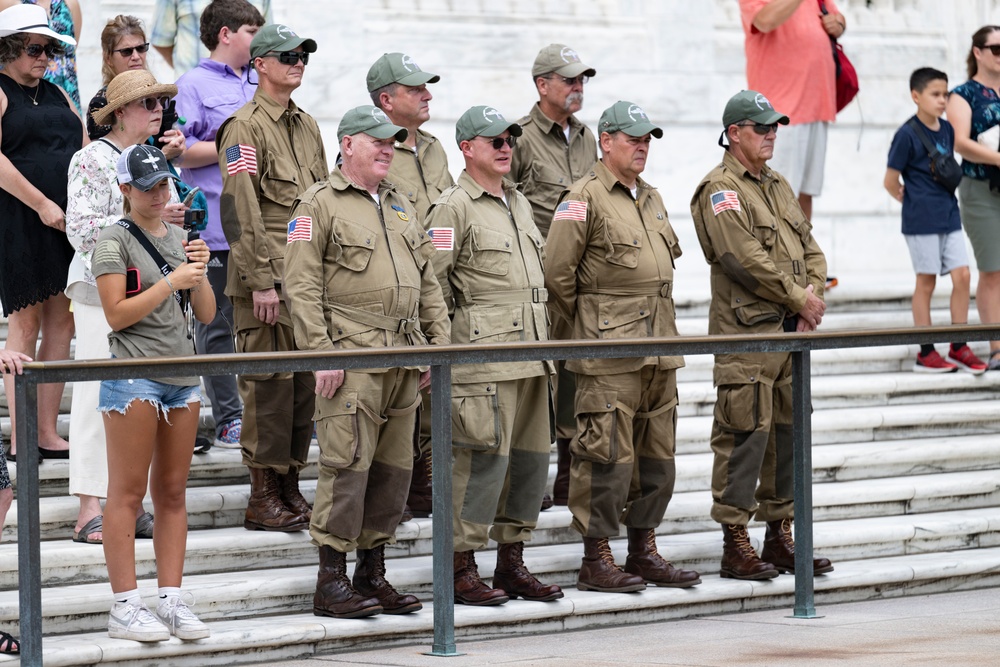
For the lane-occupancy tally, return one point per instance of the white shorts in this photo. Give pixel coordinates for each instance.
(799, 156)
(937, 254)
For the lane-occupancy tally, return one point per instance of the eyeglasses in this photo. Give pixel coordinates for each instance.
(152, 103)
(582, 79)
(760, 128)
(35, 50)
(994, 48)
(291, 57)
(498, 142)
(127, 51)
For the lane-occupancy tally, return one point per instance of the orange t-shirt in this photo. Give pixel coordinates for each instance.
(793, 64)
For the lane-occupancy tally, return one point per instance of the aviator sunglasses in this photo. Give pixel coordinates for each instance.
(127, 51)
(760, 128)
(499, 142)
(291, 57)
(152, 103)
(35, 50)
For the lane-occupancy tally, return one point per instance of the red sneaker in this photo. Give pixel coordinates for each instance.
(967, 361)
(933, 363)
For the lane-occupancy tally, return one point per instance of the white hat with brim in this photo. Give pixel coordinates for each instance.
(29, 18)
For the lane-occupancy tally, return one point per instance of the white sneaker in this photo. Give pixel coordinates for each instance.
(180, 620)
(128, 621)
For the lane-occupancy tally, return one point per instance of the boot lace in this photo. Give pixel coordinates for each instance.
(741, 540)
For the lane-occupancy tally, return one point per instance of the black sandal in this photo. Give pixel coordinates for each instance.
(8, 644)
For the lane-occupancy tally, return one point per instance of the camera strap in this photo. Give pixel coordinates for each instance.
(153, 252)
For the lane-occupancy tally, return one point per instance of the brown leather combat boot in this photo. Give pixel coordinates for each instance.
(369, 581)
(288, 487)
(513, 578)
(739, 560)
(779, 549)
(420, 500)
(334, 595)
(469, 587)
(265, 510)
(598, 571)
(645, 561)
(560, 488)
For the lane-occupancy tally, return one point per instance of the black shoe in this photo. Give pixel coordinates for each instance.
(202, 445)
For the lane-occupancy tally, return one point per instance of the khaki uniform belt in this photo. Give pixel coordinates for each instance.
(664, 290)
(503, 297)
(394, 324)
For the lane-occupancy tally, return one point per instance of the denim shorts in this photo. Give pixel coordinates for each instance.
(117, 395)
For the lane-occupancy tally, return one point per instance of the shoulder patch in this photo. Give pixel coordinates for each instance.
(300, 229)
(241, 158)
(443, 238)
(571, 210)
(725, 200)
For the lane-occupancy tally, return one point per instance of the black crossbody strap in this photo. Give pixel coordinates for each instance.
(153, 252)
(924, 139)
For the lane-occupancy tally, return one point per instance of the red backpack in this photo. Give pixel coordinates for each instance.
(847, 76)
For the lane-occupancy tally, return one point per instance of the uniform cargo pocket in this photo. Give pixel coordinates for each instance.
(765, 232)
(626, 317)
(490, 251)
(279, 182)
(356, 245)
(419, 242)
(750, 309)
(622, 243)
(496, 323)
(337, 429)
(597, 426)
(475, 416)
(737, 408)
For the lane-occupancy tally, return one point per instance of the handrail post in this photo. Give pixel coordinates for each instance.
(29, 536)
(802, 447)
(444, 543)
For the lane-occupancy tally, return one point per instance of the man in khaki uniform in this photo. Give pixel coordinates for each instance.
(555, 151)
(419, 171)
(609, 271)
(489, 263)
(768, 275)
(358, 275)
(270, 151)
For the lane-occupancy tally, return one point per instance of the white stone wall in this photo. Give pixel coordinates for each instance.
(680, 59)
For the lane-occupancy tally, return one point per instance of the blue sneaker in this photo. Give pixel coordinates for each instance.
(229, 437)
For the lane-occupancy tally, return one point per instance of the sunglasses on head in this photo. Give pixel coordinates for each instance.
(127, 51)
(760, 128)
(994, 48)
(498, 142)
(35, 50)
(291, 57)
(582, 79)
(152, 103)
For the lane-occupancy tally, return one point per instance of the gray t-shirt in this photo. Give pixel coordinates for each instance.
(162, 333)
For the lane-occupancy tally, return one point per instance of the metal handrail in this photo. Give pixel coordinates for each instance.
(441, 358)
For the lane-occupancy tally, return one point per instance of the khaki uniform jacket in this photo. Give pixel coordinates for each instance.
(422, 176)
(492, 278)
(255, 203)
(544, 165)
(361, 275)
(611, 273)
(762, 254)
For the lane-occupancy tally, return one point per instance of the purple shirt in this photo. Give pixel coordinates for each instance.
(206, 96)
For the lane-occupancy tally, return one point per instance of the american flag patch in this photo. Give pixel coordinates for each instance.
(300, 229)
(571, 210)
(241, 158)
(725, 201)
(443, 238)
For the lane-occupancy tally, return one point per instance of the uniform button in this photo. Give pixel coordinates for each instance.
(642, 312)
(340, 332)
(489, 388)
(476, 332)
(506, 244)
(609, 406)
(348, 404)
(605, 321)
(635, 241)
(515, 323)
(773, 227)
(738, 300)
(753, 379)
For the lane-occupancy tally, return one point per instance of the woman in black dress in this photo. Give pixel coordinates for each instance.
(39, 133)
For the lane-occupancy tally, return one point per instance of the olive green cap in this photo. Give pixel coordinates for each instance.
(562, 60)
(397, 68)
(371, 121)
(628, 118)
(483, 122)
(751, 105)
(276, 37)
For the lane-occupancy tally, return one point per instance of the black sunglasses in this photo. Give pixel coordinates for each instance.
(582, 79)
(291, 57)
(994, 48)
(498, 142)
(151, 103)
(760, 128)
(127, 51)
(35, 50)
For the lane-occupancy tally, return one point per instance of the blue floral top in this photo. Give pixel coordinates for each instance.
(985, 105)
(62, 69)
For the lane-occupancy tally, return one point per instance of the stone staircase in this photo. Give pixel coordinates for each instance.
(906, 502)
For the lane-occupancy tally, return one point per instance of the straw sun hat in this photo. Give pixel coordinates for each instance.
(128, 87)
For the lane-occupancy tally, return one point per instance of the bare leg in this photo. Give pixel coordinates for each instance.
(960, 295)
(921, 302)
(168, 488)
(57, 332)
(988, 301)
(22, 336)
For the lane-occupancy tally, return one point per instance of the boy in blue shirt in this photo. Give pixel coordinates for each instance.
(931, 223)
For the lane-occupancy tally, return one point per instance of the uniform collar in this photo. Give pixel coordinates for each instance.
(549, 125)
(730, 162)
(423, 139)
(475, 190)
(609, 180)
(340, 183)
(272, 108)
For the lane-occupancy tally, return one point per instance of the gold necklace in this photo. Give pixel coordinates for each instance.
(34, 100)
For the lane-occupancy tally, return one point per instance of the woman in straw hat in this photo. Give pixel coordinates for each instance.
(133, 113)
(39, 132)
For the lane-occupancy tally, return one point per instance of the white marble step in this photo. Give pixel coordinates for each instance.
(245, 592)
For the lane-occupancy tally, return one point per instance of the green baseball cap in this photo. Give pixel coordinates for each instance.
(371, 121)
(628, 118)
(398, 68)
(751, 105)
(562, 60)
(483, 122)
(278, 37)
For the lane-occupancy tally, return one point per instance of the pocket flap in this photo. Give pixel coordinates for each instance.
(484, 238)
(466, 390)
(350, 234)
(619, 233)
(595, 401)
(343, 403)
(494, 320)
(613, 314)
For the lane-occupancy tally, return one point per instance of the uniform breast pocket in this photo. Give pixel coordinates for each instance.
(356, 245)
(624, 318)
(419, 242)
(622, 243)
(766, 232)
(279, 181)
(491, 251)
(496, 324)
